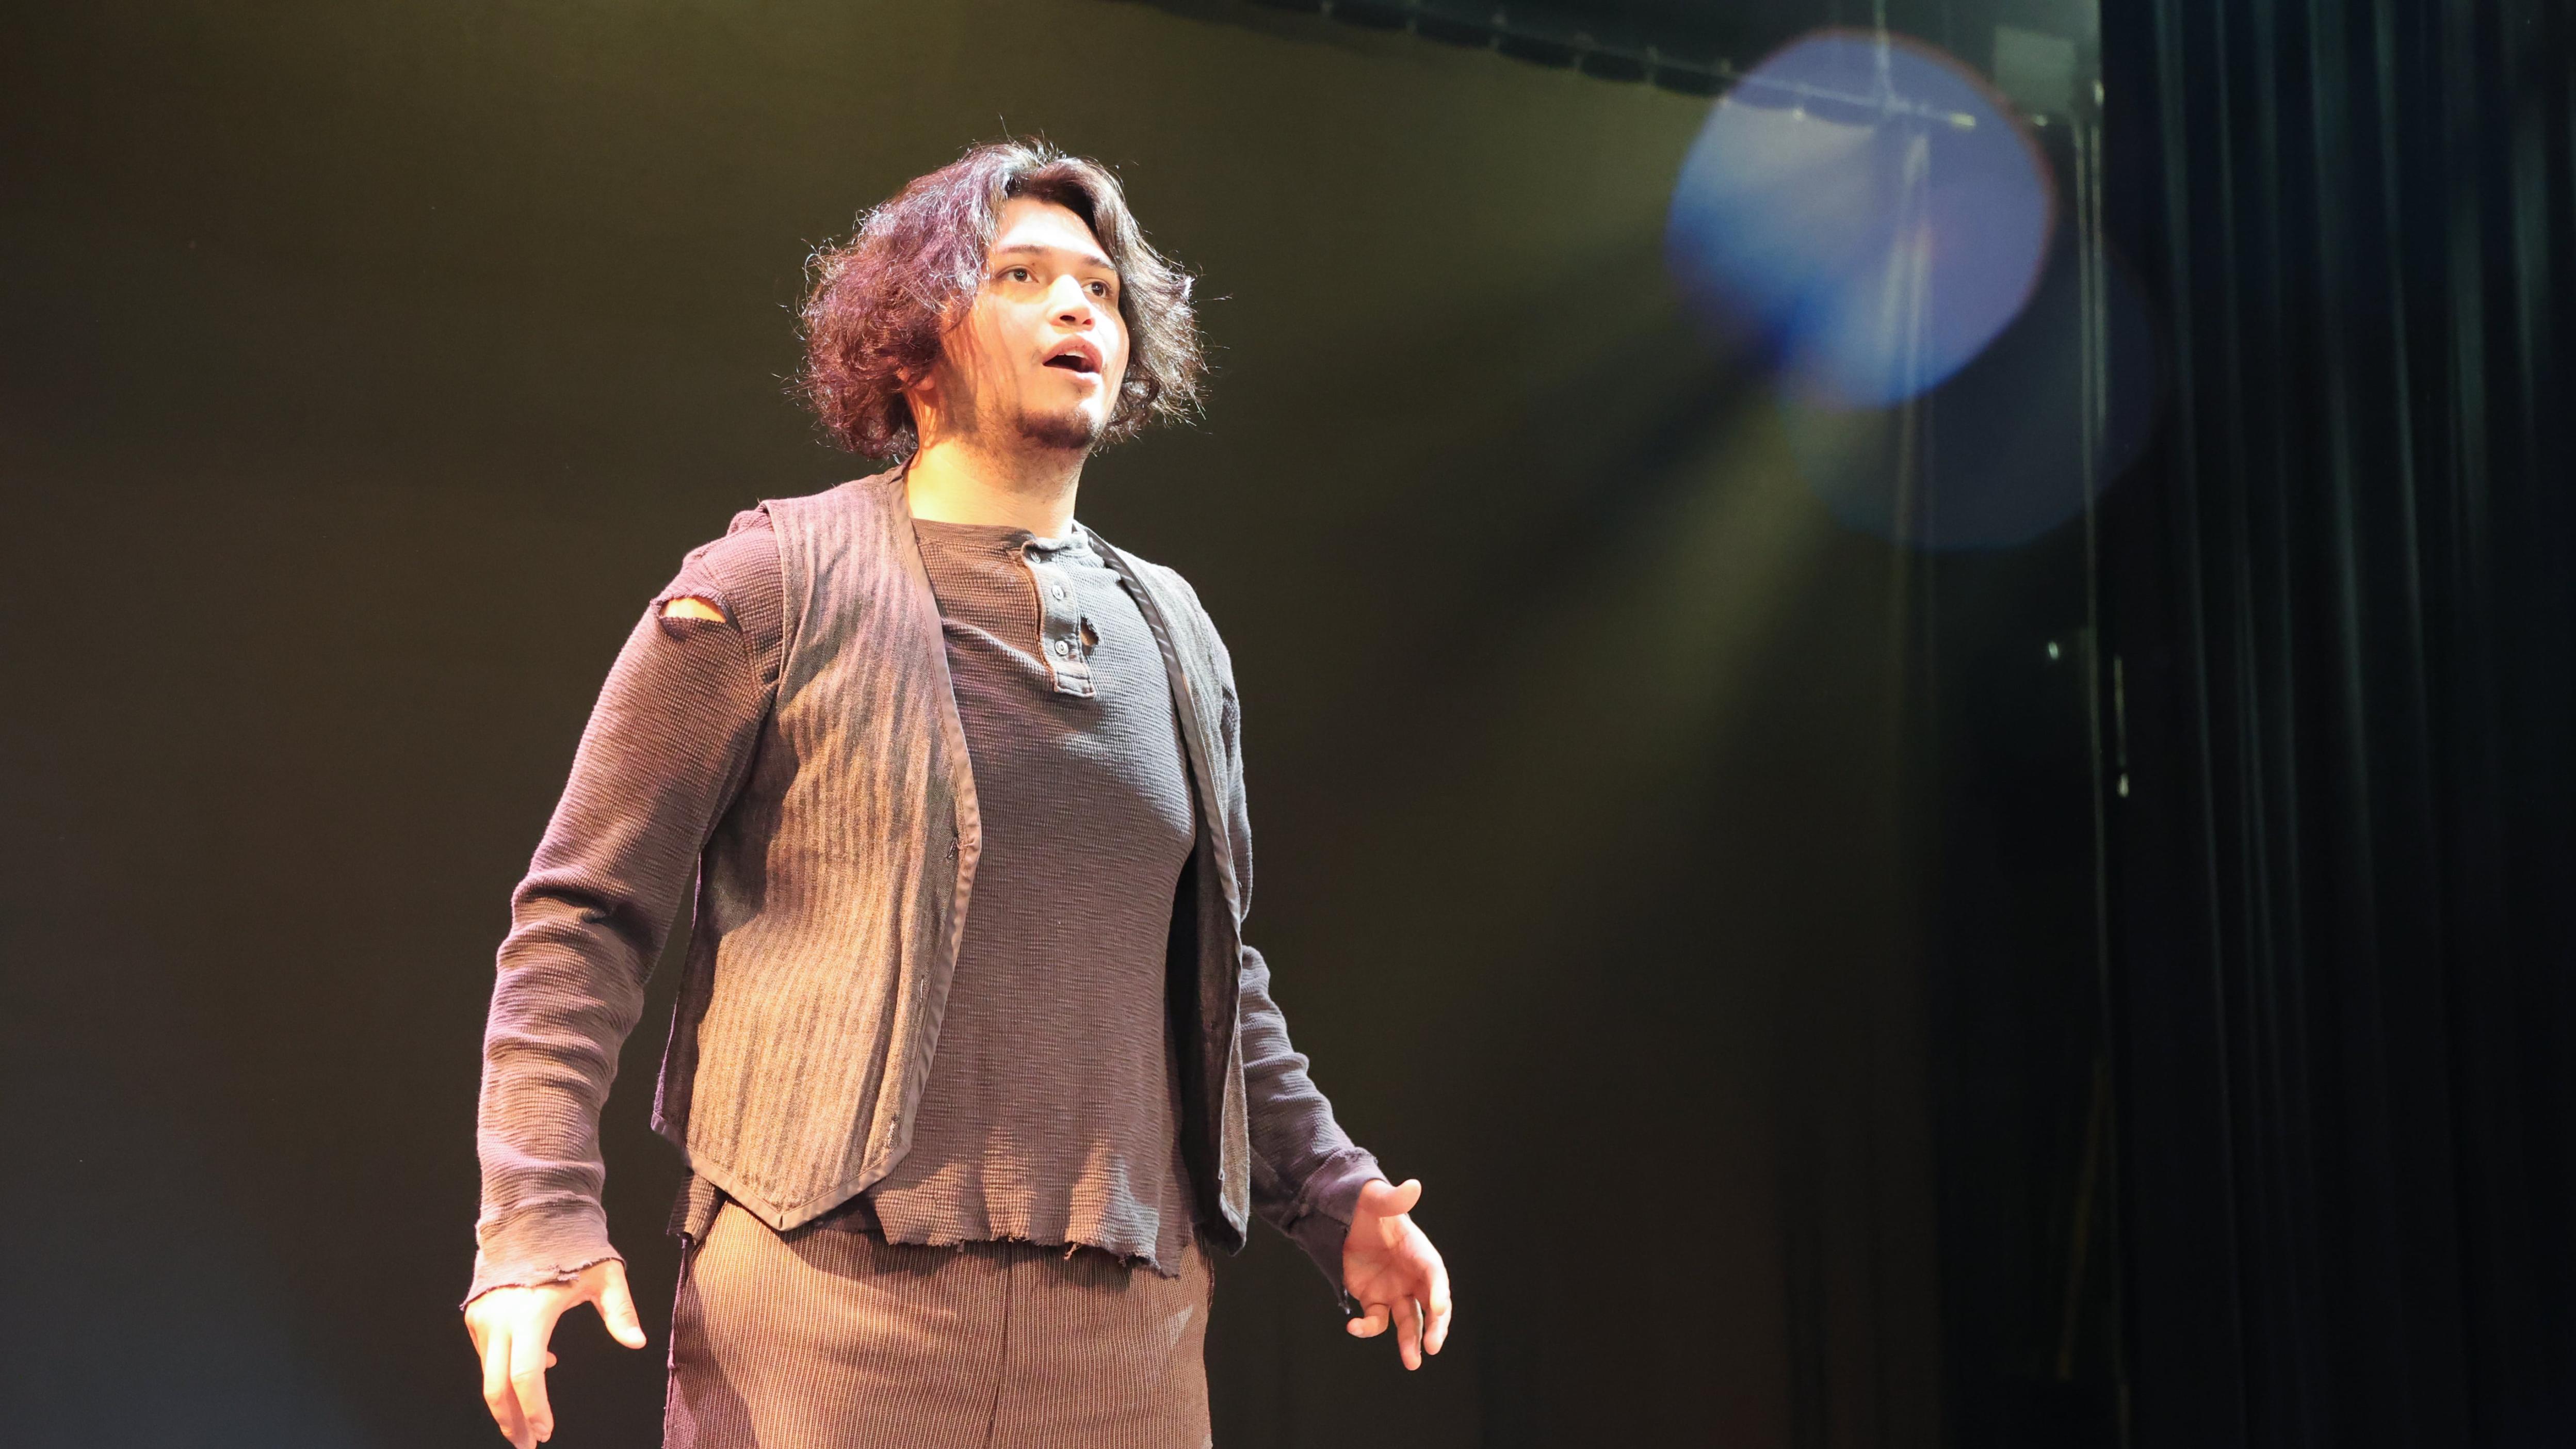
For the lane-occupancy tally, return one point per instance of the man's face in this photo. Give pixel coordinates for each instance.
(1037, 359)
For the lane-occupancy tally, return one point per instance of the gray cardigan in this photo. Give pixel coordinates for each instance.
(831, 895)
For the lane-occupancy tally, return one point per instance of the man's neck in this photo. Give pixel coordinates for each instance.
(950, 480)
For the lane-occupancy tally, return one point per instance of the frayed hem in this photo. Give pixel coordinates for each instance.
(1070, 1247)
(542, 1277)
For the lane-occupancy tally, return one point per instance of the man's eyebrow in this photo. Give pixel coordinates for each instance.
(1094, 259)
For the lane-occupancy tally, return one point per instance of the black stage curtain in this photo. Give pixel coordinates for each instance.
(2341, 592)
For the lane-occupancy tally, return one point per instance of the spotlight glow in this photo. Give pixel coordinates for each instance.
(1867, 208)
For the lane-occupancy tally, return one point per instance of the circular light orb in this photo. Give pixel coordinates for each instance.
(1866, 209)
(2000, 454)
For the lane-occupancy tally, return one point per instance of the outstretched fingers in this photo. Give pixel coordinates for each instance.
(528, 1361)
(497, 1393)
(1436, 1332)
(1408, 1332)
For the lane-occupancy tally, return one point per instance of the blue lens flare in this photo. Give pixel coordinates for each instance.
(1865, 208)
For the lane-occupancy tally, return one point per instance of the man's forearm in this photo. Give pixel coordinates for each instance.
(1306, 1172)
(663, 751)
(570, 989)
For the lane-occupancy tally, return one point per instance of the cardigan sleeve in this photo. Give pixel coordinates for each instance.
(1306, 1171)
(665, 750)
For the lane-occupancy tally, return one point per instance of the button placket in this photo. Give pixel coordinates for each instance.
(1060, 638)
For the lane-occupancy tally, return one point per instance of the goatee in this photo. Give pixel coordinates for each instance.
(1071, 430)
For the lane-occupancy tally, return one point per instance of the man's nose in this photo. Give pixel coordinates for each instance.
(1072, 301)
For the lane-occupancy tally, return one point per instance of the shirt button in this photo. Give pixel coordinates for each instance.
(1059, 591)
(1062, 649)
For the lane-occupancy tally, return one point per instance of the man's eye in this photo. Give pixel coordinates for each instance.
(1100, 289)
(1017, 274)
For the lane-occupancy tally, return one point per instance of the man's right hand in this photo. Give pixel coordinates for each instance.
(511, 1327)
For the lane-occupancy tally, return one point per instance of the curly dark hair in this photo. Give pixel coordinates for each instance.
(880, 301)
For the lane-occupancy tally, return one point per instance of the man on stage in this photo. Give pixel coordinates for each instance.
(970, 1061)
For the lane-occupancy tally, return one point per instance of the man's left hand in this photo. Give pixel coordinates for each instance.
(1395, 1273)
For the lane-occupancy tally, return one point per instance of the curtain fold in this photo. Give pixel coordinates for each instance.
(2341, 589)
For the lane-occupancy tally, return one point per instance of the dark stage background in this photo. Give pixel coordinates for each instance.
(1630, 830)
(2347, 605)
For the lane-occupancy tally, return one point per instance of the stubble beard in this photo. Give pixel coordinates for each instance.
(1071, 430)
(1013, 426)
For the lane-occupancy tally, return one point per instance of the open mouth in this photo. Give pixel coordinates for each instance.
(1076, 355)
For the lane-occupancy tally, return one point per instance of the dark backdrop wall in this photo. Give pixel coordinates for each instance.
(369, 366)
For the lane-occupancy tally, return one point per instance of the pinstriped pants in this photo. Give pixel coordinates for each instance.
(833, 1338)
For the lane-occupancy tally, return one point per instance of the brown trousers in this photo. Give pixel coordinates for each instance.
(829, 1337)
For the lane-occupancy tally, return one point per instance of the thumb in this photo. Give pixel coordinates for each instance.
(617, 1308)
(1385, 1201)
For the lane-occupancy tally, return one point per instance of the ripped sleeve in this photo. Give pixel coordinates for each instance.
(666, 748)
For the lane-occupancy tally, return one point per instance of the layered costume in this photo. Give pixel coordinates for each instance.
(971, 1060)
